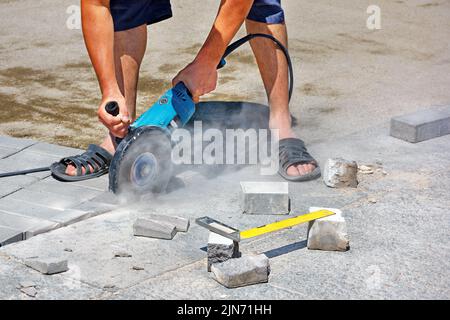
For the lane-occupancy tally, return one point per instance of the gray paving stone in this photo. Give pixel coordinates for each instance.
(29, 291)
(8, 236)
(220, 249)
(244, 271)
(16, 143)
(29, 226)
(32, 210)
(6, 151)
(28, 160)
(64, 188)
(339, 173)
(11, 184)
(329, 233)
(47, 199)
(100, 183)
(95, 208)
(47, 265)
(421, 125)
(154, 229)
(265, 198)
(53, 149)
(69, 216)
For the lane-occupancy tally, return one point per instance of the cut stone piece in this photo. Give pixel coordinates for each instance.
(339, 173)
(221, 249)
(265, 198)
(29, 291)
(27, 284)
(154, 229)
(422, 125)
(329, 233)
(245, 271)
(181, 224)
(48, 265)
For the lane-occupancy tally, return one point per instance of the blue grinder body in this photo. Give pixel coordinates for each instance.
(175, 105)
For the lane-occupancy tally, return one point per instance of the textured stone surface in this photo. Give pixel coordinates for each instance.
(329, 233)
(154, 229)
(265, 198)
(244, 271)
(221, 249)
(339, 173)
(47, 265)
(421, 125)
(8, 235)
(181, 224)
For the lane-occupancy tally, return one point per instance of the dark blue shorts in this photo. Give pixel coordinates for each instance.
(128, 14)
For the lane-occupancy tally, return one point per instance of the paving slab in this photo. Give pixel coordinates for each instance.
(8, 235)
(15, 143)
(11, 184)
(422, 125)
(265, 197)
(7, 151)
(29, 226)
(12, 273)
(48, 199)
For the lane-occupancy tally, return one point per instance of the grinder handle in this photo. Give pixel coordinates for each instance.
(112, 108)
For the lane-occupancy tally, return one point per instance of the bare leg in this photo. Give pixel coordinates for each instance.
(274, 72)
(129, 50)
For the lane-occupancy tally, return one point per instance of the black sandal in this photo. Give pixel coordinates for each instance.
(96, 157)
(293, 151)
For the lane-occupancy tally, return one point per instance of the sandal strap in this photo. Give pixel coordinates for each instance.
(293, 151)
(95, 157)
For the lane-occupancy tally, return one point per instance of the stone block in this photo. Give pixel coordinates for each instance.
(181, 224)
(339, 173)
(220, 249)
(265, 198)
(154, 229)
(421, 125)
(29, 226)
(47, 265)
(244, 271)
(329, 233)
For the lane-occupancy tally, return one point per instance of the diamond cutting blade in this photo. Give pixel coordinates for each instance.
(142, 163)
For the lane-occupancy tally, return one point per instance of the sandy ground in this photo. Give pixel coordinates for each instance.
(347, 77)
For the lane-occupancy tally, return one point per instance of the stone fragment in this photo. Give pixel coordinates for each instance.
(365, 169)
(244, 271)
(121, 254)
(137, 268)
(339, 173)
(154, 229)
(26, 284)
(48, 265)
(181, 224)
(29, 291)
(265, 198)
(221, 249)
(329, 233)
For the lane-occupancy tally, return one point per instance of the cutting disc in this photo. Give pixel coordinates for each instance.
(142, 163)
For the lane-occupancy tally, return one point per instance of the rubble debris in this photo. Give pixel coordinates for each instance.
(221, 249)
(154, 229)
(339, 173)
(244, 271)
(329, 233)
(48, 265)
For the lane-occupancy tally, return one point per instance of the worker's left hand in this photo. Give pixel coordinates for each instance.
(200, 77)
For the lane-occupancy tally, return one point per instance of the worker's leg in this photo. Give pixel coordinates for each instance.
(129, 50)
(274, 72)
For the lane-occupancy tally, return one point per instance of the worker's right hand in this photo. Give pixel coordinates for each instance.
(118, 125)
